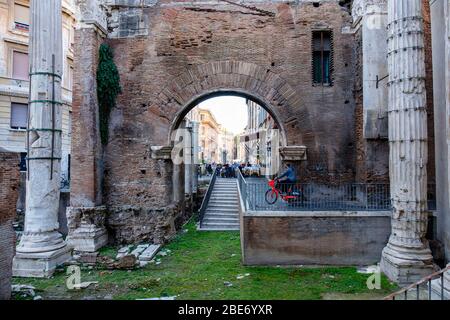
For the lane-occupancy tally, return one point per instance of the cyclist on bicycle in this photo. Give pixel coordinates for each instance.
(287, 178)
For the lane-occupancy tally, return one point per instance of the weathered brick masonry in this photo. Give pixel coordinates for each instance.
(182, 53)
(9, 186)
(172, 54)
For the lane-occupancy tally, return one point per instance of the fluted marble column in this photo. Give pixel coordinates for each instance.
(42, 247)
(407, 256)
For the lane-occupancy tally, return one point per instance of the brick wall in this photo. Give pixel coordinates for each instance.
(86, 160)
(175, 63)
(429, 86)
(9, 185)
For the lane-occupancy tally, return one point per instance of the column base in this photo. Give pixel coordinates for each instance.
(406, 266)
(40, 264)
(88, 238)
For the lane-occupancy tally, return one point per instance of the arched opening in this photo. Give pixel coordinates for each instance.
(233, 93)
(221, 137)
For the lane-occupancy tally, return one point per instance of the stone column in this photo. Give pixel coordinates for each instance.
(188, 147)
(440, 29)
(86, 214)
(369, 18)
(195, 160)
(407, 257)
(177, 155)
(447, 91)
(42, 247)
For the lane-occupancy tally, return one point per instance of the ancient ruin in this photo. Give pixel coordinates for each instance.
(357, 90)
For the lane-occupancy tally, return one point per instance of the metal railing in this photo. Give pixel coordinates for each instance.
(206, 198)
(242, 183)
(319, 197)
(422, 290)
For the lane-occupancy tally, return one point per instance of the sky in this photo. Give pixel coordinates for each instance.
(229, 111)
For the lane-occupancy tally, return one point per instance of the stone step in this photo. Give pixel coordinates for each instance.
(222, 210)
(209, 219)
(221, 215)
(223, 205)
(218, 229)
(224, 197)
(224, 202)
(221, 226)
(224, 194)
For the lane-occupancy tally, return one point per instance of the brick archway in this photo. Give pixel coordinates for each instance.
(240, 78)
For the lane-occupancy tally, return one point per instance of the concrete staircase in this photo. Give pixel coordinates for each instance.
(222, 212)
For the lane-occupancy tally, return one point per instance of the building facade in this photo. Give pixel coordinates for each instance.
(259, 142)
(14, 78)
(216, 144)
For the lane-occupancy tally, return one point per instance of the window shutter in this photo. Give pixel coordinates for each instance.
(20, 65)
(21, 14)
(19, 115)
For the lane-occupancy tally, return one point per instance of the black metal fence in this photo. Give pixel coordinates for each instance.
(319, 197)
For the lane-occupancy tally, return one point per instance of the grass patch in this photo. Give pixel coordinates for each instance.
(206, 265)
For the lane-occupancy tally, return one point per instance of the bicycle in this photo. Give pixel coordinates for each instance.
(292, 195)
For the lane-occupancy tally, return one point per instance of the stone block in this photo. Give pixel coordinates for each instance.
(150, 252)
(40, 265)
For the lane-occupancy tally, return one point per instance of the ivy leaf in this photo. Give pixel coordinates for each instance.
(108, 88)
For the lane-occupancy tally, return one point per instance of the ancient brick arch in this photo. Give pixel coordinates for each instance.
(239, 78)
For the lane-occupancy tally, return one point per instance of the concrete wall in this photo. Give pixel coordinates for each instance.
(310, 238)
(9, 185)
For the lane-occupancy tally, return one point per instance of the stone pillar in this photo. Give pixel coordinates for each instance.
(188, 153)
(369, 18)
(178, 159)
(407, 257)
(42, 247)
(86, 213)
(440, 29)
(195, 160)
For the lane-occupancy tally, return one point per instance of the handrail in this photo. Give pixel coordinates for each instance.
(206, 198)
(242, 189)
(416, 285)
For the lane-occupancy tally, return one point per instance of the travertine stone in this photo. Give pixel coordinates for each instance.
(407, 257)
(42, 247)
(293, 153)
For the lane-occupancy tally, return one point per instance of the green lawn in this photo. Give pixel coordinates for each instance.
(198, 265)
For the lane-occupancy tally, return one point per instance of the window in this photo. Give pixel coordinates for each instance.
(322, 57)
(69, 131)
(21, 17)
(20, 65)
(23, 161)
(68, 75)
(19, 115)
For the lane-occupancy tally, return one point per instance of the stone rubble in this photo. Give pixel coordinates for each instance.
(23, 289)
